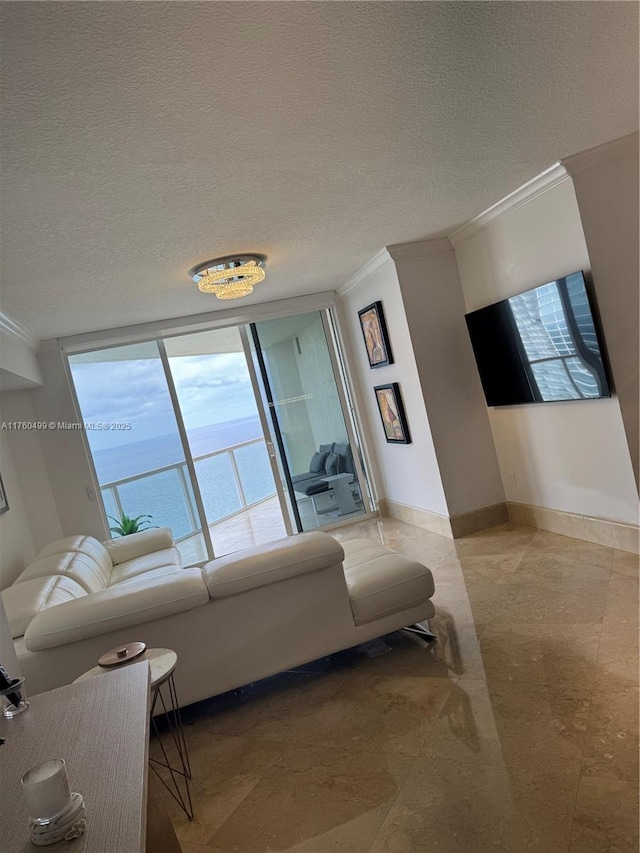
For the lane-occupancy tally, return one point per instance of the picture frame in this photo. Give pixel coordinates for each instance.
(392, 414)
(375, 334)
(4, 503)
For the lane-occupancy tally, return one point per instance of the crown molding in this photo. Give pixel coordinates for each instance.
(602, 155)
(551, 177)
(378, 261)
(420, 248)
(17, 330)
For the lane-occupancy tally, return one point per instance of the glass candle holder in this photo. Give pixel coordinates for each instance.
(46, 790)
(14, 698)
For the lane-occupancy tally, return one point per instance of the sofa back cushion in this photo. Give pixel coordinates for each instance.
(166, 560)
(332, 464)
(23, 601)
(124, 549)
(126, 605)
(271, 563)
(316, 466)
(82, 558)
(346, 458)
(91, 575)
(82, 545)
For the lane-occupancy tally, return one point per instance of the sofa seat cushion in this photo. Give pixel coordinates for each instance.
(307, 477)
(382, 582)
(150, 577)
(167, 558)
(23, 601)
(84, 569)
(310, 484)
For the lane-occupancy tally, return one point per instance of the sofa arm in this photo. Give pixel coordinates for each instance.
(126, 548)
(267, 564)
(122, 606)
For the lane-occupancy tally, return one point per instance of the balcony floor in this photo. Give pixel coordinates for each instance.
(257, 525)
(254, 526)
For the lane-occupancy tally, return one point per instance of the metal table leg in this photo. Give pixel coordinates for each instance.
(180, 775)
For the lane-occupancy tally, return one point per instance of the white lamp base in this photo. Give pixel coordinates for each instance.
(65, 826)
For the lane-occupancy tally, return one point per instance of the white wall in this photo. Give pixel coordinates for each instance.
(569, 456)
(28, 456)
(16, 543)
(606, 184)
(408, 474)
(455, 405)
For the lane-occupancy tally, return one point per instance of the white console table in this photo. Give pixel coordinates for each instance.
(101, 728)
(342, 490)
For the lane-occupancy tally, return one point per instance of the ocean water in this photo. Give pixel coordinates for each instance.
(166, 496)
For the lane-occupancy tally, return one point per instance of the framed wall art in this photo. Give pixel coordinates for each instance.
(376, 337)
(394, 420)
(4, 505)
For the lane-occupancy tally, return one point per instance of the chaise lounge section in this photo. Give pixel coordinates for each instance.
(238, 619)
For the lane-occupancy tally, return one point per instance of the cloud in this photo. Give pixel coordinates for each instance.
(210, 388)
(209, 371)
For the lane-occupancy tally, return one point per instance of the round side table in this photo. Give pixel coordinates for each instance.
(162, 663)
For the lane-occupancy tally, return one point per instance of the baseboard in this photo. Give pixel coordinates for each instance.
(613, 534)
(479, 519)
(419, 517)
(453, 527)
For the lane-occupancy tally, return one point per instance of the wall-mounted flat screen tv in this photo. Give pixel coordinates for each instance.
(540, 346)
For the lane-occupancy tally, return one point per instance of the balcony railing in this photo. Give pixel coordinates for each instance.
(231, 480)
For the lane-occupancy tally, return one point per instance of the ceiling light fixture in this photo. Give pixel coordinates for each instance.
(230, 277)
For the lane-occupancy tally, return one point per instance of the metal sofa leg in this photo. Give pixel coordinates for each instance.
(419, 628)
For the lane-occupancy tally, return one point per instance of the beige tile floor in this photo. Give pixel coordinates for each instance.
(517, 731)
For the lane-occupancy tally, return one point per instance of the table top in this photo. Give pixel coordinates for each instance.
(100, 728)
(162, 662)
(337, 477)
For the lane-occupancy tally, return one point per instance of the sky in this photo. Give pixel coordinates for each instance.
(211, 389)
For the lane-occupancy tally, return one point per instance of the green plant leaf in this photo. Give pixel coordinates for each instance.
(125, 525)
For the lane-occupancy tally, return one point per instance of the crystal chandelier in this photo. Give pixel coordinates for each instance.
(230, 277)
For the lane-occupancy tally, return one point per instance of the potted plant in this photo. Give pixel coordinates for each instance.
(125, 525)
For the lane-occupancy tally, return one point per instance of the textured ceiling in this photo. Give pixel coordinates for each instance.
(141, 138)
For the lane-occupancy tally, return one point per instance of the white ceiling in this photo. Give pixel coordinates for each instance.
(141, 138)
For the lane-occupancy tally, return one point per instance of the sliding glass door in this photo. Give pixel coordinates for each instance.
(321, 469)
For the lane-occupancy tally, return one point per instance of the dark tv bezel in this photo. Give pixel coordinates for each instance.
(595, 314)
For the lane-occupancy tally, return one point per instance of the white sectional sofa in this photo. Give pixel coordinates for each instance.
(238, 619)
